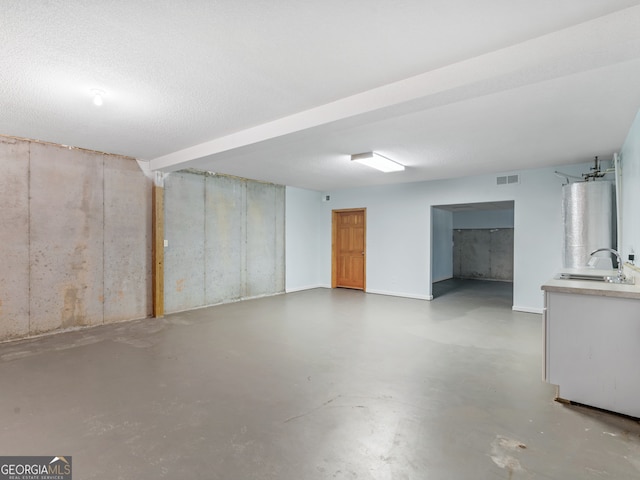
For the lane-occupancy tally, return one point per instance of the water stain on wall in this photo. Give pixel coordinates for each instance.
(53, 218)
(72, 308)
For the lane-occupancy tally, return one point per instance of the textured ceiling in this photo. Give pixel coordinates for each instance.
(284, 91)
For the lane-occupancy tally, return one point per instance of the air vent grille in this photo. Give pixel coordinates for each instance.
(507, 179)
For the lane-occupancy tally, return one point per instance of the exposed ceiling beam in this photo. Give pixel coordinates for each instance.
(598, 43)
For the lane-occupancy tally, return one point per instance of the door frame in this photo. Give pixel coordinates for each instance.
(334, 241)
(448, 207)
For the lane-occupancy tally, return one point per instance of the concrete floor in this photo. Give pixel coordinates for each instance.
(310, 385)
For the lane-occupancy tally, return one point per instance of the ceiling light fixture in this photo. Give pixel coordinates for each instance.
(97, 97)
(377, 161)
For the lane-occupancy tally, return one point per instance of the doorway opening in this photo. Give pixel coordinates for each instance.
(348, 248)
(472, 244)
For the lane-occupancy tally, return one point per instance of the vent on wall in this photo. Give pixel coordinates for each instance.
(507, 179)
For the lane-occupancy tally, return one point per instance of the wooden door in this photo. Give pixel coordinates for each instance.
(349, 233)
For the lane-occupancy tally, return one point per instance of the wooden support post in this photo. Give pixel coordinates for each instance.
(157, 233)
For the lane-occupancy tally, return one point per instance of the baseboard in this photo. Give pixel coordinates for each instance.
(528, 309)
(443, 279)
(398, 294)
(376, 292)
(307, 287)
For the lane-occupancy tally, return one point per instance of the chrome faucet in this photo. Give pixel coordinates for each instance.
(621, 276)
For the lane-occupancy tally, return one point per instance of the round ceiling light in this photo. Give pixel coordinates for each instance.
(97, 97)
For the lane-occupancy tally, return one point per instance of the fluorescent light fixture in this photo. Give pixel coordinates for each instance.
(374, 160)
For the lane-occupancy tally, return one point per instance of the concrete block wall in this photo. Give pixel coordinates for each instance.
(225, 240)
(75, 238)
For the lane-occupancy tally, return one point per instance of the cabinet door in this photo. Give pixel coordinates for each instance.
(593, 350)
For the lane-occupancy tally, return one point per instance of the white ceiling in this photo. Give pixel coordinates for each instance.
(284, 91)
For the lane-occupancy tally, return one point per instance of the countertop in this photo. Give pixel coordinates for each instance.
(589, 287)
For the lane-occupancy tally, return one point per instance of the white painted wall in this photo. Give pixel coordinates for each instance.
(304, 216)
(630, 162)
(483, 219)
(442, 241)
(399, 231)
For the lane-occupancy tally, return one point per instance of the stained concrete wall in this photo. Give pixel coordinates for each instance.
(14, 239)
(483, 253)
(184, 231)
(265, 239)
(75, 236)
(225, 240)
(127, 241)
(66, 238)
(225, 233)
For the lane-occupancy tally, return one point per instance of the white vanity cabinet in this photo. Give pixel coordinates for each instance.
(592, 343)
